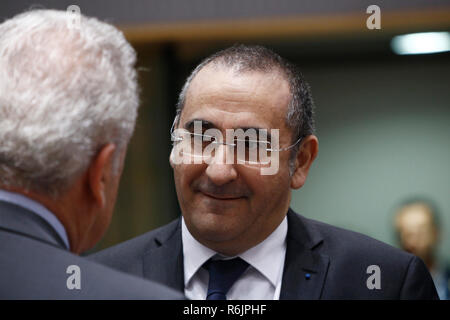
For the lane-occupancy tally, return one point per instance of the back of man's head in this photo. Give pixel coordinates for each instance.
(65, 91)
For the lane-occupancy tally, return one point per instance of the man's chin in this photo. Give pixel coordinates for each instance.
(215, 227)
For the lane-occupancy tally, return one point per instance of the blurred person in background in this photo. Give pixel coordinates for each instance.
(68, 107)
(417, 230)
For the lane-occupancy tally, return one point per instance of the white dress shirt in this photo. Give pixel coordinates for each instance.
(38, 209)
(262, 279)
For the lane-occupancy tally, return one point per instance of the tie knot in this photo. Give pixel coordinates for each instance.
(222, 275)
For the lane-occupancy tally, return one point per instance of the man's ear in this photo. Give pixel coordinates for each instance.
(305, 157)
(171, 158)
(99, 173)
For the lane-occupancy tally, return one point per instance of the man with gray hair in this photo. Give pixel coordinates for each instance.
(238, 238)
(68, 106)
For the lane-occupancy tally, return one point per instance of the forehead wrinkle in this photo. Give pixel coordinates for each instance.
(223, 119)
(229, 98)
(233, 87)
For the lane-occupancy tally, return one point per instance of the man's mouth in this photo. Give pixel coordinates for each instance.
(221, 196)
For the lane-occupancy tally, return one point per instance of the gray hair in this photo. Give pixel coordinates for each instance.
(244, 58)
(64, 93)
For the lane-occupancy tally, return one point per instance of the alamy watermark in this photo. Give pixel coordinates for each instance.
(74, 17)
(253, 147)
(73, 281)
(374, 280)
(374, 20)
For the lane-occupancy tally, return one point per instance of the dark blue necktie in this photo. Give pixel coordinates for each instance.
(222, 275)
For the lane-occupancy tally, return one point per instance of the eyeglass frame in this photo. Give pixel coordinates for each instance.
(179, 139)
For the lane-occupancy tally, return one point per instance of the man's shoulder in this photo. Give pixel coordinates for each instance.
(32, 269)
(337, 241)
(355, 258)
(127, 255)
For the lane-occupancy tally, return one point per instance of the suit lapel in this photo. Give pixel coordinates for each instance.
(304, 270)
(164, 263)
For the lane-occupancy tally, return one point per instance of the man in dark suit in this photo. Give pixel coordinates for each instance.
(68, 103)
(237, 237)
(36, 264)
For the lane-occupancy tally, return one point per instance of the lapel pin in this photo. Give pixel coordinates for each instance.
(307, 276)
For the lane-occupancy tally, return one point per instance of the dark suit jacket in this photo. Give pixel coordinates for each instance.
(335, 259)
(33, 265)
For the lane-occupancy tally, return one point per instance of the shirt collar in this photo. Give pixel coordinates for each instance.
(195, 254)
(38, 209)
(267, 257)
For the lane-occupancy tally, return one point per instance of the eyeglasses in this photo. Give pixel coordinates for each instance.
(244, 148)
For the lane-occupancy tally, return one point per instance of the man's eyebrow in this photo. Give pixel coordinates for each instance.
(208, 125)
(205, 124)
(268, 136)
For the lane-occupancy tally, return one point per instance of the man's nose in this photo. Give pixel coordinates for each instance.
(218, 170)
